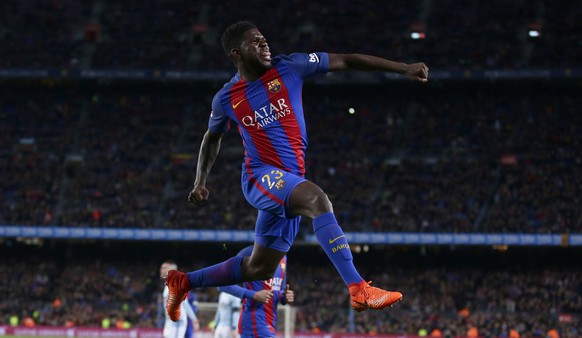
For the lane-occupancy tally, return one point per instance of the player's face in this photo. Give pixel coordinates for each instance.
(165, 268)
(255, 50)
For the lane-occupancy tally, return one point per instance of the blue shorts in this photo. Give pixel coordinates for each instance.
(268, 189)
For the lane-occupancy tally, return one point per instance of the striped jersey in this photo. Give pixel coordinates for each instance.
(258, 319)
(269, 112)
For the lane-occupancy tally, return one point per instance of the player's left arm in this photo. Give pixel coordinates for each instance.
(414, 71)
(288, 296)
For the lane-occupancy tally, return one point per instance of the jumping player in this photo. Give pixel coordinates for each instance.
(264, 100)
(260, 300)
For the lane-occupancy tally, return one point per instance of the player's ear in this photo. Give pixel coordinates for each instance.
(235, 53)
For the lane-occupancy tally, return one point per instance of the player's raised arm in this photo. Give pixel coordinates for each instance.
(208, 151)
(414, 71)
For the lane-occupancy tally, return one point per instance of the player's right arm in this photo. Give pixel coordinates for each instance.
(209, 149)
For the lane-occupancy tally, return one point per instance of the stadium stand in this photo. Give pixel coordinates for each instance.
(124, 157)
(183, 35)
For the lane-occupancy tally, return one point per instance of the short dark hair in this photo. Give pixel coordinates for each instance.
(233, 35)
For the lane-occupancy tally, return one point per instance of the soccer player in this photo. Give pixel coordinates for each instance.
(260, 301)
(264, 99)
(226, 317)
(176, 327)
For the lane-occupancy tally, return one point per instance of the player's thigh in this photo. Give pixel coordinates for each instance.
(268, 189)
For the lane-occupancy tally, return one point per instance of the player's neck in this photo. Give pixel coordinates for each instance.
(250, 75)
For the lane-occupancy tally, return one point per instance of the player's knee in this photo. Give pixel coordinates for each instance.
(309, 200)
(320, 203)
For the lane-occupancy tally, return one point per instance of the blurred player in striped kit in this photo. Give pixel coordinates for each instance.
(260, 300)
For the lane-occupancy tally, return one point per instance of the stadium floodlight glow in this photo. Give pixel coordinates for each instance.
(351, 111)
(417, 35)
(533, 33)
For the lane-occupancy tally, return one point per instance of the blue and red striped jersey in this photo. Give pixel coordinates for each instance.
(269, 112)
(258, 319)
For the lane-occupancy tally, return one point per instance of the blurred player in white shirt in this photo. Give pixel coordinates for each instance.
(176, 329)
(226, 318)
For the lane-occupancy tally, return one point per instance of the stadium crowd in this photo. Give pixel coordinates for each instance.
(407, 161)
(182, 35)
(442, 291)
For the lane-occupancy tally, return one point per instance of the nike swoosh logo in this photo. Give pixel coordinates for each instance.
(335, 239)
(234, 105)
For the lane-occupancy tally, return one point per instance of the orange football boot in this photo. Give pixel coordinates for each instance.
(178, 288)
(364, 296)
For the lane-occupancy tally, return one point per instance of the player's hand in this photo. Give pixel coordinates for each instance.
(289, 294)
(263, 296)
(198, 195)
(417, 72)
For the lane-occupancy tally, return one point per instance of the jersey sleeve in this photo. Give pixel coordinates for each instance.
(237, 291)
(218, 122)
(309, 64)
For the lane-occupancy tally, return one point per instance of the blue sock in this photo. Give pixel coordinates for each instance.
(331, 238)
(228, 272)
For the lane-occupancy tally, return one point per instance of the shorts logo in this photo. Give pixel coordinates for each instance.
(274, 86)
(280, 185)
(313, 57)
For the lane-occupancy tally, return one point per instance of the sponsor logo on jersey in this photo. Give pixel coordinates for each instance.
(275, 283)
(267, 114)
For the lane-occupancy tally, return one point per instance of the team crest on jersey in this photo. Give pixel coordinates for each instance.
(274, 86)
(280, 184)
